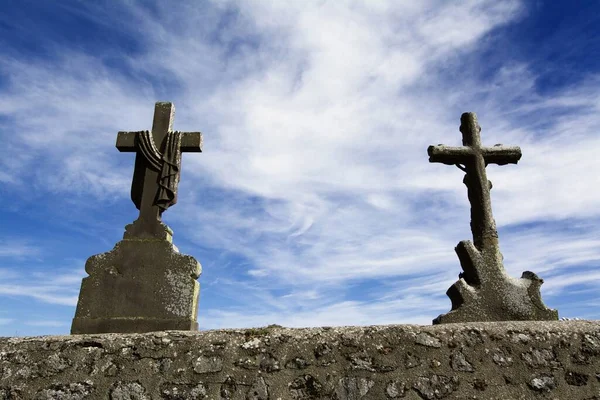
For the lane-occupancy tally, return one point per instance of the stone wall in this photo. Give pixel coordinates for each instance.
(502, 360)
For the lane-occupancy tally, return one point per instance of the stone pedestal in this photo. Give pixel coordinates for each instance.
(142, 285)
(484, 292)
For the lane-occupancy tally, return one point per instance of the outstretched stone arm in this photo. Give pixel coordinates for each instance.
(498, 154)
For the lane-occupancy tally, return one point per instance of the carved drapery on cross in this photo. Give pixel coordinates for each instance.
(168, 163)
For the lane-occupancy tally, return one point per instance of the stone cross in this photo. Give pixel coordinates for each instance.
(144, 284)
(484, 291)
(157, 168)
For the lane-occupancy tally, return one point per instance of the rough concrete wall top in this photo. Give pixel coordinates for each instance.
(492, 360)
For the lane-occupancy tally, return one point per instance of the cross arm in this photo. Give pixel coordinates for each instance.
(190, 142)
(501, 155)
(449, 155)
(497, 154)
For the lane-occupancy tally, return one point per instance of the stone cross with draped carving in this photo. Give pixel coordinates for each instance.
(157, 168)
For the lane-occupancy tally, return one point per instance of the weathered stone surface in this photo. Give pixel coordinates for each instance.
(483, 360)
(484, 291)
(144, 284)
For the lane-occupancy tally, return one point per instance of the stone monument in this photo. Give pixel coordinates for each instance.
(484, 291)
(144, 284)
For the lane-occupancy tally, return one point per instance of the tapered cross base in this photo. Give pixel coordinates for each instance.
(484, 292)
(142, 285)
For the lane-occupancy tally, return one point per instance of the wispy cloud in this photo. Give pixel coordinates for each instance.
(316, 118)
(10, 248)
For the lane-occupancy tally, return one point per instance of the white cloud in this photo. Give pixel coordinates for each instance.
(18, 249)
(316, 119)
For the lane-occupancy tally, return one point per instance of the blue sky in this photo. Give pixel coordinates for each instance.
(313, 202)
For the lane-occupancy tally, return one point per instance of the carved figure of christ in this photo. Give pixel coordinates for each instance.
(157, 169)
